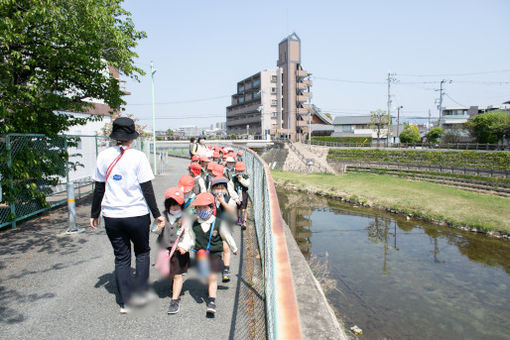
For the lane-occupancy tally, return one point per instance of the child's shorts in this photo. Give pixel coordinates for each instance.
(179, 263)
(244, 202)
(216, 263)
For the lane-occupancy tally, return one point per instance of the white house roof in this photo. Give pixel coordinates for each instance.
(349, 120)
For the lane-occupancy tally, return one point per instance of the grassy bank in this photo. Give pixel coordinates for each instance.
(426, 200)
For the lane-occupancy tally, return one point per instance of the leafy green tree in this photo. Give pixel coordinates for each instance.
(489, 127)
(435, 134)
(54, 54)
(410, 134)
(380, 122)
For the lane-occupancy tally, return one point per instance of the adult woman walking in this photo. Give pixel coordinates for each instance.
(124, 194)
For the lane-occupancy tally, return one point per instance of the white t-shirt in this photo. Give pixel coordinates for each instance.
(123, 195)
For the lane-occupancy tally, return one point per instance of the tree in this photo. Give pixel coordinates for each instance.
(489, 127)
(410, 134)
(141, 129)
(435, 134)
(54, 54)
(380, 122)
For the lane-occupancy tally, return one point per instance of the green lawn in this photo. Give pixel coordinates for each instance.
(426, 199)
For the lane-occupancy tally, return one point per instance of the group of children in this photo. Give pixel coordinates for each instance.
(200, 213)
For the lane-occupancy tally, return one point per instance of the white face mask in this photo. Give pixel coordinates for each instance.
(175, 213)
(202, 142)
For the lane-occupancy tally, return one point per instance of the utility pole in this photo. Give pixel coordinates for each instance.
(428, 126)
(389, 79)
(441, 93)
(154, 168)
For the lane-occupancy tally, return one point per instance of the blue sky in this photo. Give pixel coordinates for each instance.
(202, 48)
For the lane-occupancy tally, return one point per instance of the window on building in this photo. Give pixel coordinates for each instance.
(240, 89)
(240, 99)
(274, 114)
(273, 89)
(347, 128)
(273, 79)
(274, 102)
(256, 83)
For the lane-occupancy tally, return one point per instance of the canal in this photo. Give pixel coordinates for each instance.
(402, 279)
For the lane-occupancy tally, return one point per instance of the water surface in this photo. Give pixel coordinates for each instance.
(402, 279)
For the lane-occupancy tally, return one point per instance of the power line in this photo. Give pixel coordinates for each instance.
(350, 81)
(183, 101)
(456, 102)
(453, 74)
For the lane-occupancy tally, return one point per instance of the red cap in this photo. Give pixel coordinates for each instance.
(175, 193)
(224, 155)
(186, 183)
(204, 158)
(211, 166)
(240, 166)
(204, 198)
(209, 147)
(239, 153)
(195, 168)
(195, 158)
(218, 170)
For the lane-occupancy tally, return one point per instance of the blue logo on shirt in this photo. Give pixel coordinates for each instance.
(117, 177)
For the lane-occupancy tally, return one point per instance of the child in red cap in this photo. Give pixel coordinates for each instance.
(188, 185)
(206, 235)
(241, 182)
(239, 156)
(170, 240)
(196, 172)
(226, 210)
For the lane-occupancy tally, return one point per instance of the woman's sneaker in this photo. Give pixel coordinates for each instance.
(211, 306)
(124, 309)
(174, 307)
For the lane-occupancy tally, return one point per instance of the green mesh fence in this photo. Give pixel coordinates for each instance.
(35, 169)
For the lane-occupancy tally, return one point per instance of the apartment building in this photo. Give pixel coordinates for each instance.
(254, 106)
(274, 101)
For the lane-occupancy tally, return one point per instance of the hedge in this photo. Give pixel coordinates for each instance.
(470, 159)
(351, 140)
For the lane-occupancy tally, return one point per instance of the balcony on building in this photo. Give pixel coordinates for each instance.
(301, 74)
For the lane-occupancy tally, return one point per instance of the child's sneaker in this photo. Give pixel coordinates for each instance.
(226, 275)
(239, 221)
(174, 307)
(211, 305)
(243, 225)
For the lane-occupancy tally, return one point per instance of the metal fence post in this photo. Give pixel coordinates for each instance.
(71, 208)
(9, 165)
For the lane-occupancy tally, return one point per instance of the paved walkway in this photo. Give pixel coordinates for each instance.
(56, 286)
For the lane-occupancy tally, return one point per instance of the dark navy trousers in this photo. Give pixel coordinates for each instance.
(121, 232)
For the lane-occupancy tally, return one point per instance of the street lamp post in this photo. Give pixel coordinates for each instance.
(153, 70)
(398, 122)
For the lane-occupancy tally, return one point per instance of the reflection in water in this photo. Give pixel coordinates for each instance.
(405, 279)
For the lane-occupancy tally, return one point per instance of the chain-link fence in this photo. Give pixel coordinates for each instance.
(35, 170)
(282, 321)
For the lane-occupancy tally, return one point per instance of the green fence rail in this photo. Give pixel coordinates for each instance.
(34, 171)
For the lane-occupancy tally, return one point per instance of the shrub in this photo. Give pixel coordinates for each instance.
(351, 140)
(411, 134)
(470, 159)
